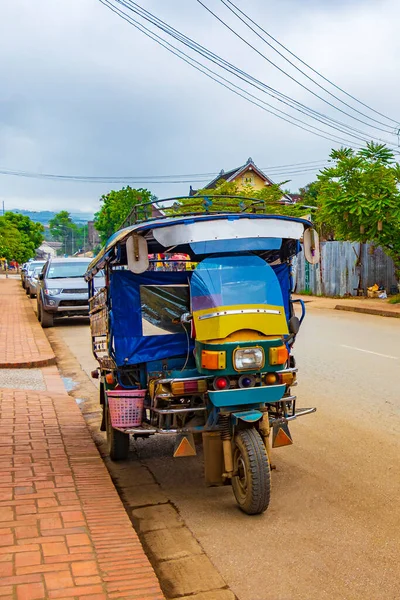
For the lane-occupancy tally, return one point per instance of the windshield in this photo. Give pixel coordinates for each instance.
(63, 270)
(32, 266)
(234, 280)
(36, 271)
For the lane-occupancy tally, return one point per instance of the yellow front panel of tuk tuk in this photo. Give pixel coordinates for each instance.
(220, 325)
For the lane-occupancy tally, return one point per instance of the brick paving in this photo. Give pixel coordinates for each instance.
(64, 533)
(22, 341)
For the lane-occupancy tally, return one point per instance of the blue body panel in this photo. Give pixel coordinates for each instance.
(250, 416)
(242, 397)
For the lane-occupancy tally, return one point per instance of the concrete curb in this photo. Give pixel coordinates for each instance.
(35, 364)
(369, 311)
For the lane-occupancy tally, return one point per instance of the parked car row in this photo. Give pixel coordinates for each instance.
(59, 287)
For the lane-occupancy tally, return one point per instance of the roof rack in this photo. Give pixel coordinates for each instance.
(182, 206)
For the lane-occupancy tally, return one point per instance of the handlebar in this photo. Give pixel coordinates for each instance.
(303, 308)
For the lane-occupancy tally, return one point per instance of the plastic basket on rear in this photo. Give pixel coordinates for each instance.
(126, 407)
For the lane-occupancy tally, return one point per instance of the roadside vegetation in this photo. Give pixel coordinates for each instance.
(19, 237)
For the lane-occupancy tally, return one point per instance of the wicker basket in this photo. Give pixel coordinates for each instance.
(126, 407)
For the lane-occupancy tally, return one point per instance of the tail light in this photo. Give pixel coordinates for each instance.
(191, 386)
(221, 383)
(280, 378)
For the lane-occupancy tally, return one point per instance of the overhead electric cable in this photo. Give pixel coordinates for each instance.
(222, 63)
(166, 178)
(287, 74)
(175, 50)
(309, 66)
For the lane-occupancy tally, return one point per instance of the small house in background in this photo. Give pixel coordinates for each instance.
(48, 250)
(247, 174)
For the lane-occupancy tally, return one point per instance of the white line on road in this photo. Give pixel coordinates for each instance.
(370, 352)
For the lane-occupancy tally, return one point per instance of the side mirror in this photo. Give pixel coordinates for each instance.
(137, 254)
(311, 246)
(294, 325)
(40, 276)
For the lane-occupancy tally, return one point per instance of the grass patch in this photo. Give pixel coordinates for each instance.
(395, 299)
(305, 293)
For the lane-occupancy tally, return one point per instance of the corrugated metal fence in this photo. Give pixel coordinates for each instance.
(341, 267)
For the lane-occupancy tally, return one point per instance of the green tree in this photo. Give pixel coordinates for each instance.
(19, 237)
(64, 230)
(116, 207)
(267, 200)
(359, 198)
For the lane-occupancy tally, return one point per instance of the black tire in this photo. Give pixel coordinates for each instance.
(27, 291)
(252, 480)
(32, 295)
(46, 318)
(117, 442)
(39, 311)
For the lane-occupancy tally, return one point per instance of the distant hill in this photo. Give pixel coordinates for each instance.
(45, 216)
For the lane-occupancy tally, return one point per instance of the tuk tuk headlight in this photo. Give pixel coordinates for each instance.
(248, 359)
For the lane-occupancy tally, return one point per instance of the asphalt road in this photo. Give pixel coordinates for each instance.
(332, 529)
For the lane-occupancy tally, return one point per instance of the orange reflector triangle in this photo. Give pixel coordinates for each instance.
(184, 445)
(281, 435)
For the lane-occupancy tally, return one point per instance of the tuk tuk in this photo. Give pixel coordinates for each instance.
(206, 350)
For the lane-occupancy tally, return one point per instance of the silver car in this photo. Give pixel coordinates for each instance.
(32, 280)
(28, 268)
(62, 290)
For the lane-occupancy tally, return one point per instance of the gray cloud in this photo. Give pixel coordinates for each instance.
(82, 92)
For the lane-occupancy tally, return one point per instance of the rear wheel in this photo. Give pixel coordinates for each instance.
(46, 318)
(32, 294)
(252, 476)
(117, 442)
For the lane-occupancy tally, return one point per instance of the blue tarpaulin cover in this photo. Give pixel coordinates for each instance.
(130, 346)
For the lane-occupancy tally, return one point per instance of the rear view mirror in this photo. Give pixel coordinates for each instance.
(40, 276)
(137, 254)
(294, 325)
(311, 246)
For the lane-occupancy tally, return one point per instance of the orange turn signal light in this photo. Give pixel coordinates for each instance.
(271, 378)
(110, 378)
(278, 355)
(280, 378)
(213, 360)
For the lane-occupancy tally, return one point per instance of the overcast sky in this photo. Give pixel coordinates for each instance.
(82, 92)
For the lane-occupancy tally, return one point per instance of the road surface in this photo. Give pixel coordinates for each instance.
(332, 529)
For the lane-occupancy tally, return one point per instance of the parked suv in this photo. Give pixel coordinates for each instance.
(62, 290)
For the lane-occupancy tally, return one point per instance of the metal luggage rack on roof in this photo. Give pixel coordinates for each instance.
(184, 206)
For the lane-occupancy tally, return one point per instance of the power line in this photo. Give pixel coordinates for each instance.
(191, 60)
(160, 179)
(222, 63)
(287, 74)
(308, 66)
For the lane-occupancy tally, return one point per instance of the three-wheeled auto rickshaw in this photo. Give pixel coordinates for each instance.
(202, 351)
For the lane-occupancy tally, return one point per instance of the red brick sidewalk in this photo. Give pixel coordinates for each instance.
(22, 340)
(64, 533)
